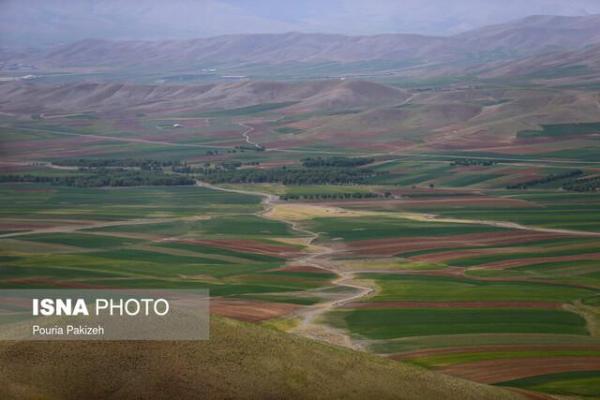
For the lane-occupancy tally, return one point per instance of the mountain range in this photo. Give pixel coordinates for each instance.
(521, 48)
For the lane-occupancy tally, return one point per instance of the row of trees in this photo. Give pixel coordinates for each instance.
(107, 178)
(241, 149)
(547, 179)
(336, 162)
(148, 165)
(312, 176)
(335, 196)
(470, 162)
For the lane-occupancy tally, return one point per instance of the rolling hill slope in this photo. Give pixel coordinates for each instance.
(239, 361)
(307, 96)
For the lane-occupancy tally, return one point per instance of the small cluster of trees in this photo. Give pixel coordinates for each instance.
(335, 196)
(335, 162)
(241, 149)
(547, 179)
(470, 162)
(312, 176)
(583, 185)
(105, 178)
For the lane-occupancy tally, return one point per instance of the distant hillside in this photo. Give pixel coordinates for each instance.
(239, 361)
(534, 34)
(391, 52)
(306, 96)
(576, 67)
(253, 48)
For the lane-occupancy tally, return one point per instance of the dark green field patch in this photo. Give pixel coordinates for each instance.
(351, 229)
(395, 323)
(204, 249)
(154, 257)
(81, 240)
(300, 300)
(562, 130)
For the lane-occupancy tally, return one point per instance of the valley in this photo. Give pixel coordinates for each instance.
(404, 216)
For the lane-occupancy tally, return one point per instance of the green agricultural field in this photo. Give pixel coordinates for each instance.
(475, 341)
(584, 383)
(363, 228)
(117, 203)
(401, 287)
(444, 360)
(394, 323)
(87, 241)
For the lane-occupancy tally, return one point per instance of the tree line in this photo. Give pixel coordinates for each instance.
(335, 196)
(105, 178)
(149, 165)
(336, 162)
(547, 179)
(311, 176)
(469, 162)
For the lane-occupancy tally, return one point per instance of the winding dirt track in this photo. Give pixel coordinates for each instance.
(309, 325)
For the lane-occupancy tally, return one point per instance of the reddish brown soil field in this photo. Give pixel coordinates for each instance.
(248, 246)
(250, 311)
(496, 371)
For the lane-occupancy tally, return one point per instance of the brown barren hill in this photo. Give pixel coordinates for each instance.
(239, 361)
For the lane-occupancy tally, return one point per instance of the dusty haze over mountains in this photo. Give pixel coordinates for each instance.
(44, 22)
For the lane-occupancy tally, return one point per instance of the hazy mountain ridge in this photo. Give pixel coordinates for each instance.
(528, 36)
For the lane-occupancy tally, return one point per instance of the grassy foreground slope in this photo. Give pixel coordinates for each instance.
(239, 361)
